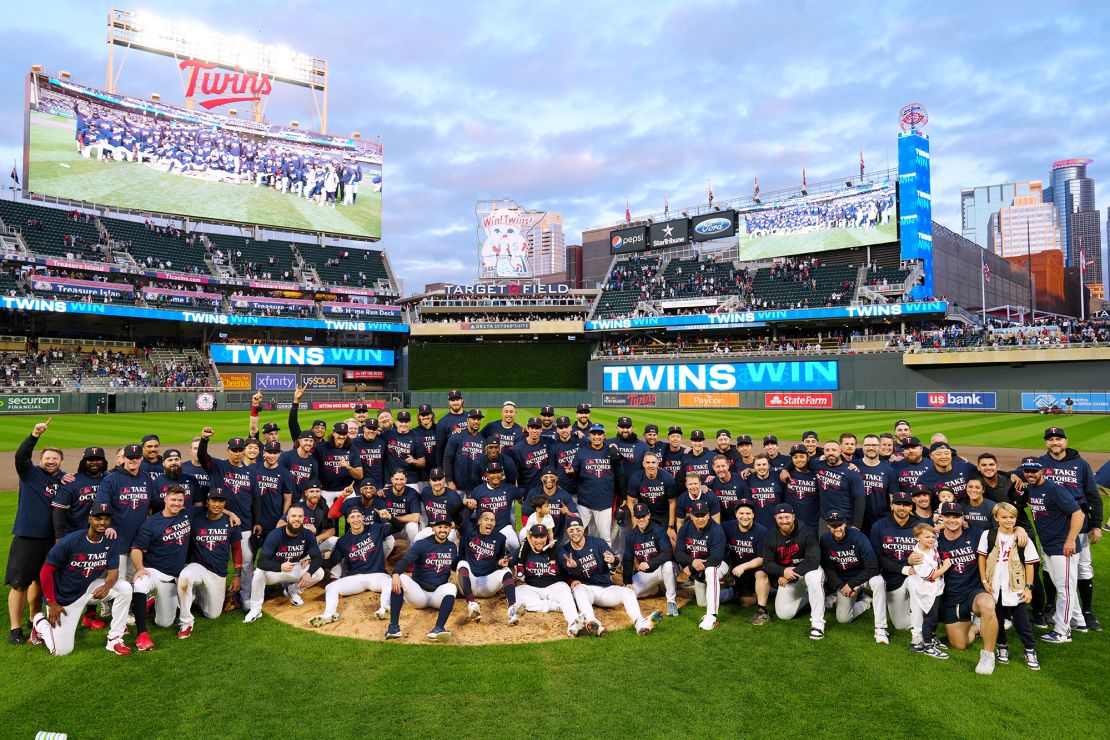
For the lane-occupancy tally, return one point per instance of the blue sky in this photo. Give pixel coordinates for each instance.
(573, 107)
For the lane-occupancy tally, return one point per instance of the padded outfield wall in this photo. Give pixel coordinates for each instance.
(971, 381)
(507, 365)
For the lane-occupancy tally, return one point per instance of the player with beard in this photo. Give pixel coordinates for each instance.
(484, 566)
(744, 550)
(361, 554)
(301, 461)
(878, 482)
(547, 423)
(289, 556)
(631, 447)
(652, 443)
(924, 505)
(562, 504)
(763, 490)
(597, 470)
(438, 502)
(274, 487)
(851, 566)
(673, 453)
(505, 431)
(996, 482)
(725, 449)
(912, 466)
(334, 458)
(453, 421)
(839, 487)
(174, 475)
(236, 480)
(582, 421)
(561, 452)
(367, 502)
(431, 561)
(71, 505)
(801, 487)
(127, 493)
(158, 554)
(464, 454)
(792, 560)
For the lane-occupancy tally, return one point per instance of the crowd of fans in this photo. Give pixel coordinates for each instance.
(999, 334)
(498, 318)
(701, 344)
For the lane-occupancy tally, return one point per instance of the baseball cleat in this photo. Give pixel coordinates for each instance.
(321, 619)
(708, 622)
(655, 617)
(1092, 623)
(1077, 626)
(672, 609)
(1056, 637)
(514, 613)
(382, 613)
(143, 642)
(474, 612)
(88, 620)
(439, 634)
(761, 617)
(184, 632)
(985, 667)
(816, 633)
(252, 616)
(1031, 660)
(393, 633)
(575, 628)
(644, 626)
(881, 637)
(294, 596)
(1002, 654)
(16, 637)
(117, 647)
(34, 638)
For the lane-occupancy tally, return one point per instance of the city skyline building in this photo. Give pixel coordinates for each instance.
(978, 204)
(547, 245)
(1026, 225)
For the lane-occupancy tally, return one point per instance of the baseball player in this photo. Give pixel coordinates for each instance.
(878, 482)
(763, 490)
(596, 470)
(839, 487)
(367, 501)
(289, 555)
(483, 565)
(361, 551)
(698, 459)
(274, 487)
(71, 505)
(547, 423)
(152, 458)
(237, 481)
(158, 553)
(850, 567)
(544, 589)
(438, 502)
(453, 421)
(701, 549)
(811, 440)
(653, 487)
(648, 562)
(404, 504)
(368, 455)
(79, 568)
(801, 487)
(301, 461)
(561, 501)
(213, 541)
(582, 421)
(674, 452)
(504, 430)
(744, 538)
(464, 454)
(893, 540)
(497, 496)
(334, 457)
(425, 432)
(173, 474)
(561, 451)
(694, 493)
(792, 559)
(431, 560)
(530, 454)
(590, 563)
(912, 465)
(404, 451)
(127, 492)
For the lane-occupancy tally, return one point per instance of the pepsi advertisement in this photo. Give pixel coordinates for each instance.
(628, 240)
(713, 226)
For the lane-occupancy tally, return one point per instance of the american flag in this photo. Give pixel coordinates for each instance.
(709, 188)
(627, 212)
(755, 188)
(804, 185)
(861, 163)
(986, 272)
(666, 203)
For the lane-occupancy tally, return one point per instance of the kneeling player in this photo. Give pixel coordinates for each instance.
(431, 560)
(589, 561)
(648, 559)
(850, 567)
(214, 540)
(289, 555)
(362, 549)
(792, 559)
(483, 566)
(701, 548)
(158, 554)
(744, 549)
(80, 567)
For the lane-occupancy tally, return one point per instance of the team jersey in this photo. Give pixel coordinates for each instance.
(498, 500)
(701, 464)
(37, 490)
(561, 455)
(706, 544)
(302, 469)
(838, 488)
(589, 562)
(735, 463)
(850, 561)
(801, 492)
(878, 485)
(909, 474)
(333, 476)
(271, 486)
(210, 541)
(152, 469)
(161, 483)
(765, 494)
(561, 505)
(431, 562)
(540, 569)
(596, 478)
(399, 446)
(507, 437)
(164, 542)
(655, 493)
(631, 451)
(78, 562)
(1052, 506)
(281, 547)
(426, 441)
(76, 498)
(651, 546)
(129, 498)
(467, 454)
(407, 501)
(369, 510)
(672, 460)
(954, 479)
(481, 551)
(446, 426)
(962, 579)
(741, 546)
(529, 459)
(779, 463)
(685, 501)
(370, 456)
(362, 552)
(1074, 474)
(893, 544)
(445, 506)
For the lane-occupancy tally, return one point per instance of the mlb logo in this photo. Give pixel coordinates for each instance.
(937, 399)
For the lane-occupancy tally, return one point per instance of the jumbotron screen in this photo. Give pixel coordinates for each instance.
(109, 149)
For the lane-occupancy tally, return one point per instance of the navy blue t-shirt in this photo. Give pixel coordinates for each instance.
(656, 493)
(743, 546)
(431, 562)
(481, 551)
(210, 542)
(589, 562)
(129, 498)
(164, 542)
(76, 498)
(596, 478)
(962, 579)
(79, 562)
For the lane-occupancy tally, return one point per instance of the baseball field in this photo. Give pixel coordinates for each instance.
(57, 169)
(269, 678)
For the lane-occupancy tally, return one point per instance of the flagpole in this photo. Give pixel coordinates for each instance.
(1029, 269)
(1082, 270)
(983, 283)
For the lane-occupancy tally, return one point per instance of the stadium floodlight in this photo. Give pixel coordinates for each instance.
(847, 183)
(36, 67)
(155, 97)
(62, 74)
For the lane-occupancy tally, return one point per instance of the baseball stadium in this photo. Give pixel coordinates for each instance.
(747, 466)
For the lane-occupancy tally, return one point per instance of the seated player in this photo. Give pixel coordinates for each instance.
(361, 554)
(484, 566)
(291, 556)
(544, 588)
(701, 549)
(648, 562)
(213, 541)
(850, 567)
(431, 560)
(495, 495)
(590, 563)
(438, 502)
(744, 551)
(792, 559)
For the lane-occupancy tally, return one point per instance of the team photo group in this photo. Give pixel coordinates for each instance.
(561, 515)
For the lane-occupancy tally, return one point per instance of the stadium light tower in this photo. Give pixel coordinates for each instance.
(185, 41)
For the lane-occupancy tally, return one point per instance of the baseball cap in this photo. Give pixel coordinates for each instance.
(723, 432)
(651, 428)
(835, 519)
(674, 430)
(562, 422)
(770, 439)
(810, 433)
(918, 491)
(92, 453)
(360, 407)
(370, 423)
(743, 439)
(319, 423)
(1054, 432)
(538, 530)
(270, 427)
(534, 422)
(312, 484)
(367, 483)
(133, 452)
(340, 427)
(436, 474)
(784, 509)
(951, 507)
(641, 510)
(100, 509)
(475, 414)
(624, 422)
(253, 441)
(911, 442)
(900, 422)
(217, 492)
(508, 404)
(404, 416)
(547, 411)
(441, 519)
(305, 435)
(798, 449)
(939, 446)
(901, 497)
(597, 428)
(745, 504)
(170, 453)
(1031, 463)
(455, 395)
(573, 521)
(699, 508)
(583, 408)
(697, 436)
(495, 467)
(272, 447)
(424, 410)
(548, 470)
(149, 438)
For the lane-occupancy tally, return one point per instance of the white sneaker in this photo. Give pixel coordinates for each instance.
(986, 663)
(708, 622)
(515, 611)
(474, 612)
(881, 637)
(252, 616)
(294, 596)
(575, 627)
(382, 613)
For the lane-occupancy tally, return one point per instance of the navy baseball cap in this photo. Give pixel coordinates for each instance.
(900, 422)
(951, 508)
(911, 442)
(562, 422)
(339, 427)
(312, 484)
(809, 434)
(101, 509)
(785, 509)
(270, 427)
(699, 508)
(436, 474)
(92, 453)
(724, 432)
(305, 435)
(237, 443)
(133, 452)
(475, 414)
(424, 410)
(170, 453)
(548, 470)
(918, 491)
(1031, 463)
(370, 423)
(367, 483)
(625, 422)
(743, 439)
(217, 492)
(441, 519)
(940, 446)
(272, 447)
(547, 411)
(1054, 432)
(455, 395)
(361, 407)
(583, 408)
(744, 504)
(573, 520)
(798, 449)
(495, 467)
(697, 436)
(641, 510)
(597, 429)
(535, 423)
(770, 439)
(149, 438)
(651, 428)
(319, 423)
(674, 430)
(538, 530)
(404, 416)
(901, 497)
(835, 519)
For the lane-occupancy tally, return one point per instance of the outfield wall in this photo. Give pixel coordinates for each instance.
(535, 364)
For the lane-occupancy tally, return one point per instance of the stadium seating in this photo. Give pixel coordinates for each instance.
(272, 260)
(691, 278)
(362, 268)
(152, 250)
(45, 229)
(778, 292)
(626, 285)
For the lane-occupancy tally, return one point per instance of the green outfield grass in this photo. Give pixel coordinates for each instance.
(1089, 433)
(130, 185)
(271, 679)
